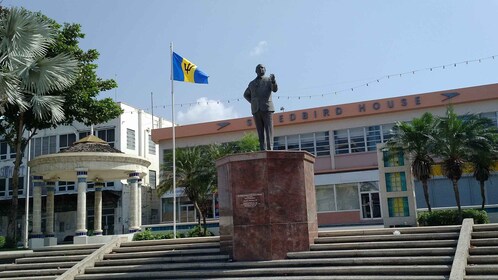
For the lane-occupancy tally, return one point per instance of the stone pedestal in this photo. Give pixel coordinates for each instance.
(267, 204)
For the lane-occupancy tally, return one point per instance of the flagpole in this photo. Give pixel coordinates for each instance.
(174, 143)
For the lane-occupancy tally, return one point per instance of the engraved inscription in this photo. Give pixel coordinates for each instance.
(249, 200)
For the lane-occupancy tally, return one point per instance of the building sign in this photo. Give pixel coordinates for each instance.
(355, 109)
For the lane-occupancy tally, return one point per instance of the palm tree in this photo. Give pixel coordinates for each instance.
(415, 139)
(27, 79)
(482, 160)
(194, 173)
(458, 139)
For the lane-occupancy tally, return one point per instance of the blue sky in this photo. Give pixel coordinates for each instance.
(313, 48)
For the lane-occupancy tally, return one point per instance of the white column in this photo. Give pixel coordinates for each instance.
(50, 239)
(37, 206)
(139, 201)
(133, 183)
(36, 240)
(97, 220)
(82, 175)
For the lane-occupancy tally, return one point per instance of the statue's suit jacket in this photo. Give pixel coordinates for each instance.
(258, 93)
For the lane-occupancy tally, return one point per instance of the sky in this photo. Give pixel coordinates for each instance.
(322, 52)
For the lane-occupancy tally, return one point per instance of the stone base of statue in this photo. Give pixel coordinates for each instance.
(267, 204)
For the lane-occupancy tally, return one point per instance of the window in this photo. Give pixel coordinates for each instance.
(357, 140)
(322, 143)
(325, 198)
(316, 143)
(373, 137)
(361, 139)
(393, 158)
(293, 142)
(152, 179)
(395, 182)
(347, 197)
(66, 140)
(279, 143)
(3, 150)
(491, 116)
(130, 139)
(65, 186)
(308, 142)
(20, 188)
(387, 131)
(152, 146)
(3, 187)
(341, 141)
(107, 135)
(398, 207)
(43, 146)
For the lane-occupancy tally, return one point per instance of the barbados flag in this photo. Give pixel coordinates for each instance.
(186, 71)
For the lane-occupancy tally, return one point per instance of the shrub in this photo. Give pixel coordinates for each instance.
(2, 241)
(149, 235)
(450, 217)
(198, 231)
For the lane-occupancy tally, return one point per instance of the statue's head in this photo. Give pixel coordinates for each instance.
(260, 70)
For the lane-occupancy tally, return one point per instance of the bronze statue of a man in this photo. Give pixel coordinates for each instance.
(258, 93)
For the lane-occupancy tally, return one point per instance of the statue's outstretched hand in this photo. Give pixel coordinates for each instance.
(272, 78)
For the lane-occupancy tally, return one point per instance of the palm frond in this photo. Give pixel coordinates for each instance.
(47, 107)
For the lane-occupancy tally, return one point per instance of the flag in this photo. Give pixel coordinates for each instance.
(186, 71)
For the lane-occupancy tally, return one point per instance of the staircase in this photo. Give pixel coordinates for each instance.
(415, 254)
(46, 263)
(482, 263)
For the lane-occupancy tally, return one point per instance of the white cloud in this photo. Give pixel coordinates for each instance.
(261, 48)
(205, 111)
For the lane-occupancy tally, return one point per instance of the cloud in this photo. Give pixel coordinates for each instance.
(261, 48)
(205, 111)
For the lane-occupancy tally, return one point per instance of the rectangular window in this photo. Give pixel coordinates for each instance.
(491, 116)
(373, 137)
(43, 146)
(308, 142)
(3, 150)
(357, 140)
(152, 179)
(325, 198)
(279, 143)
(66, 140)
(20, 187)
(293, 142)
(347, 197)
(65, 186)
(395, 182)
(130, 139)
(322, 143)
(341, 141)
(107, 135)
(393, 158)
(3, 187)
(152, 145)
(398, 207)
(387, 131)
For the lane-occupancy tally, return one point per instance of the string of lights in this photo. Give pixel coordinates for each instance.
(346, 89)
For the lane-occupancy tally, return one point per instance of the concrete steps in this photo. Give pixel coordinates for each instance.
(415, 254)
(47, 262)
(482, 263)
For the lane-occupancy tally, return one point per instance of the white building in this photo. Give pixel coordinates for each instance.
(130, 133)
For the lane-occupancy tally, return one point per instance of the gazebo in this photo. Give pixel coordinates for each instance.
(90, 159)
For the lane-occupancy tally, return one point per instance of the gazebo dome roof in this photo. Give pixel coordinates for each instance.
(91, 144)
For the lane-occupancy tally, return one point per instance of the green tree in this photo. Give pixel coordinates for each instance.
(78, 102)
(415, 138)
(457, 140)
(27, 81)
(194, 174)
(482, 160)
(196, 171)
